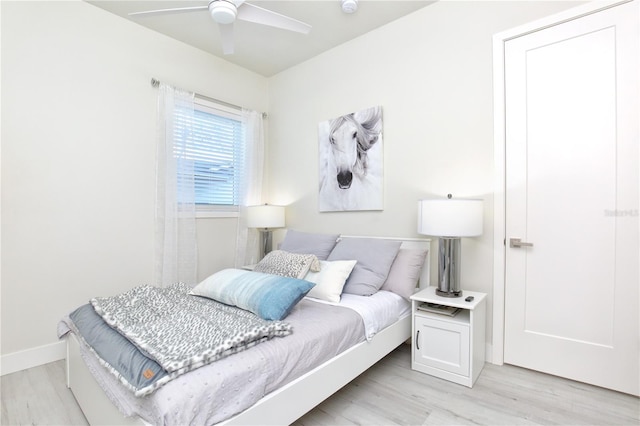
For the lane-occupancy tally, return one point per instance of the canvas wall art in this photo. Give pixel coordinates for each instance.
(350, 155)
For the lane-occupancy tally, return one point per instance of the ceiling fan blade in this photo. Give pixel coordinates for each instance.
(226, 34)
(252, 13)
(168, 11)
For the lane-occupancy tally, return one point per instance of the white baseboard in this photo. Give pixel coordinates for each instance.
(22, 360)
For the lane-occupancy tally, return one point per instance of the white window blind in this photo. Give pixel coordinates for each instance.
(213, 155)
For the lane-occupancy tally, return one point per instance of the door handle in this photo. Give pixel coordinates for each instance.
(516, 243)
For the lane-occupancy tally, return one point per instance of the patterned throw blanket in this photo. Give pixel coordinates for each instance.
(183, 332)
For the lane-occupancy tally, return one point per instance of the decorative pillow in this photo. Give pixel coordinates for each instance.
(405, 272)
(330, 280)
(307, 243)
(279, 262)
(271, 297)
(374, 257)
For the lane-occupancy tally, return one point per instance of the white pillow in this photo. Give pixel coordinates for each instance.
(330, 280)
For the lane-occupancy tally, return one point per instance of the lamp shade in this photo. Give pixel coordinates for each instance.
(265, 216)
(450, 218)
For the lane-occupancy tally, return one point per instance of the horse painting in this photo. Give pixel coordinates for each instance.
(350, 151)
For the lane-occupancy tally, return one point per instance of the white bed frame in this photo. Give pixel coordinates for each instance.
(283, 406)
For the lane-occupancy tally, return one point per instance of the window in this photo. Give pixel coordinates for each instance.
(214, 156)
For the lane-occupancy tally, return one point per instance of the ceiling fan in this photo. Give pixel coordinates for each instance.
(225, 12)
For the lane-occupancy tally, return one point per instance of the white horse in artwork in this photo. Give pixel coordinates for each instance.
(351, 162)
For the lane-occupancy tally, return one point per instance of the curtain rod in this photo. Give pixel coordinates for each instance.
(156, 83)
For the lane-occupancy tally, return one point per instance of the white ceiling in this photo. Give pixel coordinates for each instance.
(262, 49)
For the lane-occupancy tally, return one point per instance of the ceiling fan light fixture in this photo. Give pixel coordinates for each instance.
(349, 6)
(223, 11)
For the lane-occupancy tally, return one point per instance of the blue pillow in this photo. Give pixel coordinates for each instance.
(271, 297)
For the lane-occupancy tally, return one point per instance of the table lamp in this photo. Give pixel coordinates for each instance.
(265, 217)
(449, 219)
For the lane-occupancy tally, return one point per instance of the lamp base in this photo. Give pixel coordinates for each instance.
(449, 267)
(448, 293)
(265, 246)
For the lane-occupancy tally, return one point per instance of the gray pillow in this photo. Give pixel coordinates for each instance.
(405, 272)
(308, 243)
(374, 258)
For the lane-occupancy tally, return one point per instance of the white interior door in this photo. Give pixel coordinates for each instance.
(572, 189)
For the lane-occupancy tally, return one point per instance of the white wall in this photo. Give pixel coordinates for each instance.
(78, 131)
(78, 158)
(432, 73)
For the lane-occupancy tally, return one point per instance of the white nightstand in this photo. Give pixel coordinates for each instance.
(249, 267)
(451, 348)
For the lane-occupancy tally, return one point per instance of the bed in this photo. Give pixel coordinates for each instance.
(291, 390)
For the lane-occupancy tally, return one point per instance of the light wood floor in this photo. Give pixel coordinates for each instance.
(389, 393)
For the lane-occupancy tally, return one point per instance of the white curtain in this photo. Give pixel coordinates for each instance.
(248, 239)
(175, 220)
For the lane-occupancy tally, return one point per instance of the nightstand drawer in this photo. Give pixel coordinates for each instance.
(442, 344)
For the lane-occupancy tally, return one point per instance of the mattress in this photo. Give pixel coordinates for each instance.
(220, 390)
